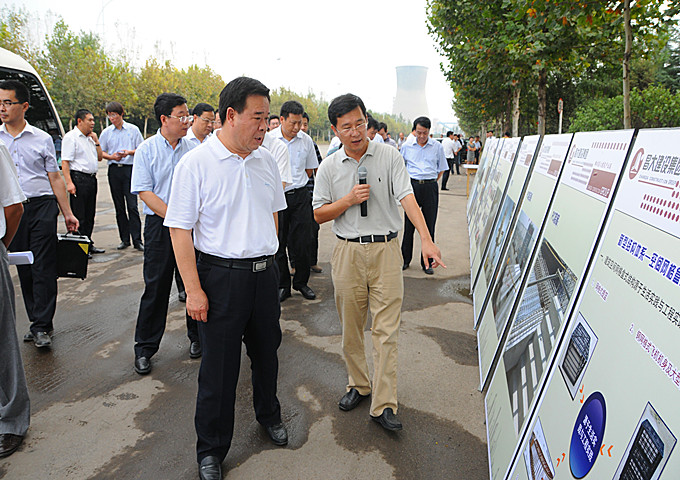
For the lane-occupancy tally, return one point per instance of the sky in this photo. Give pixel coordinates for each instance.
(326, 47)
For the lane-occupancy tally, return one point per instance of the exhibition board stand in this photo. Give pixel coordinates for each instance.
(481, 223)
(485, 268)
(514, 267)
(486, 167)
(609, 409)
(578, 212)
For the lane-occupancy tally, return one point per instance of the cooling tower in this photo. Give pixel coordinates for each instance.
(410, 101)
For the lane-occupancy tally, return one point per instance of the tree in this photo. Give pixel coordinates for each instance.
(155, 78)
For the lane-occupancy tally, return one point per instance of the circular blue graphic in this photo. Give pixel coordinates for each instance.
(587, 435)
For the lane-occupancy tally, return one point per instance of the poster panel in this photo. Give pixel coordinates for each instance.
(508, 285)
(487, 163)
(577, 214)
(620, 356)
(490, 202)
(485, 265)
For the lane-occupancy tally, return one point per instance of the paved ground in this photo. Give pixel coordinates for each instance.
(93, 417)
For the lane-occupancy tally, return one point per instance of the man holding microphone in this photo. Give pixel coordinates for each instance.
(366, 263)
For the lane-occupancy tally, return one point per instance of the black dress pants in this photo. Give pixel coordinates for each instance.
(243, 307)
(295, 223)
(427, 196)
(159, 269)
(84, 202)
(445, 177)
(129, 224)
(37, 232)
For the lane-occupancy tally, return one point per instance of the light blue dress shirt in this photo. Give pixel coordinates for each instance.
(154, 166)
(113, 140)
(424, 163)
(34, 156)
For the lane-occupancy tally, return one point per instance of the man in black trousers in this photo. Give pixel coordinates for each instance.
(228, 191)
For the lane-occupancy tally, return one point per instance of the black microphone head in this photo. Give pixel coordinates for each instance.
(363, 173)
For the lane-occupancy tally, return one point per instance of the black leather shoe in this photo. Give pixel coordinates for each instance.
(405, 266)
(94, 249)
(139, 246)
(444, 188)
(307, 292)
(123, 245)
(210, 469)
(9, 444)
(182, 297)
(28, 337)
(195, 350)
(142, 365)
(428, 271)
(350, 400)
(278, 434)
(42, 339)
(388, 420)
(283, 294)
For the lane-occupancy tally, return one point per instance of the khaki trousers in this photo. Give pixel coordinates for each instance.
(370, 275)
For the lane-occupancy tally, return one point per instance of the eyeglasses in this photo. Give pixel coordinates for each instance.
(207, 120)
(9, 103)
(182, 119)
(359, 127)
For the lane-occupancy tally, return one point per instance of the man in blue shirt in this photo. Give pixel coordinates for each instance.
(119, 141)
(425, 163)
(155, 161)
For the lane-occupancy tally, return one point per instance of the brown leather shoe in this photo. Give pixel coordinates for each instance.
(9, 444)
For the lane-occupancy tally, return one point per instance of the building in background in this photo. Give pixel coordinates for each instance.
(410, 101)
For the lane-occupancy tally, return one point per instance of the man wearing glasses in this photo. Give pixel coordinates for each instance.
(366, 261)
(119, 141)
(152, 171)
(33, 153)
(204, 119)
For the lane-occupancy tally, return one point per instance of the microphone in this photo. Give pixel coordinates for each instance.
(363, 173)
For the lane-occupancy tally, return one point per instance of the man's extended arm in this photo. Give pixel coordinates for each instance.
(183, 245)
(59, 190)
(430, 250)
(331, 211)
(153, 201)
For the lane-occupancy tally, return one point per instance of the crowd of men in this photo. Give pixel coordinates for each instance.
(233, 199)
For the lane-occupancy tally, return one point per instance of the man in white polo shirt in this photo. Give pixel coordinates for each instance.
(295, 222)
(80, 152)
(228, 191)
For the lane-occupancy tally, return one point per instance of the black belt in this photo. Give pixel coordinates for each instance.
(253, 264)
(41, 198)
(431, 180)
(119, 165)
(371, 238)
(93, 175)
(290, 192)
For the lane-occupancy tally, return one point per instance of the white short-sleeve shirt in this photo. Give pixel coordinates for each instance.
(80, 151)
(280, 152)
(302, 157)
(228, 201)
(10, 190)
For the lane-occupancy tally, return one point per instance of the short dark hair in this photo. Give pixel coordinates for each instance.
(81, 114)
(490, 131)
(291, 107)
(305, 115)
(507, 134)
(272, 117)
(449, 133)
(165, 102)
(342, 105)
(382, 126)
(202, 107)
(115, 107)
(235, 94)
(373, 123)
(423, 122)
(20, 90)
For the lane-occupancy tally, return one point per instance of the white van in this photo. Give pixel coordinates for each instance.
(41, 113)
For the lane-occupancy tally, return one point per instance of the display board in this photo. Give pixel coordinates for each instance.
(481, 273)
(610, 408)
(580, 204)
(507, 287)
(487, 166)
(480, 227)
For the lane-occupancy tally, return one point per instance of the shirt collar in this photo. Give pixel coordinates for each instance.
(223, 153)
(370, 151)
(28, 128)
